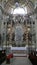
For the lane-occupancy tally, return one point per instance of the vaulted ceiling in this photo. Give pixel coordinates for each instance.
(13, 1)
(8, 4)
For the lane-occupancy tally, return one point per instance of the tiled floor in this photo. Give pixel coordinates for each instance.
(19, 61)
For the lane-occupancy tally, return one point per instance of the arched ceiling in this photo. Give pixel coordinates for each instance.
(12, 2)
(8, 4)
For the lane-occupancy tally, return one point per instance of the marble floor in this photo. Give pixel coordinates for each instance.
(18, 61)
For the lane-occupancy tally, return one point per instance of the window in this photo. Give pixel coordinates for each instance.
(8, 22)
(33, 22)
(4, 23)
(30, 22)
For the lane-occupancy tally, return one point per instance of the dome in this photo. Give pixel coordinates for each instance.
(20, 11)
